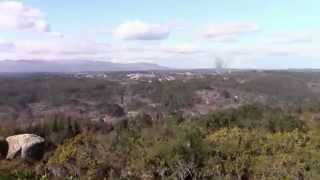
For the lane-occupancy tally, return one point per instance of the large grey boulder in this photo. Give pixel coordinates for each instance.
(30, 146)
(3, 148)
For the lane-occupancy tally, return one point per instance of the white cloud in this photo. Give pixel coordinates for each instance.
(185, 55)
(292, 38)
(138, 30)
(5, 47)
(228, 32)
(185, 48)
(60, 48)
(54, 49)
(57, 34)
(15, 15)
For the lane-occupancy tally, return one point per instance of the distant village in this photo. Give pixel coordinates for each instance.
(151, 76)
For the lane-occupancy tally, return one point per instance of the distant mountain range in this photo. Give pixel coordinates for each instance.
(22, 66)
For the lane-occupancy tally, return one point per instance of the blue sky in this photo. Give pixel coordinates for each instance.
(175, 33)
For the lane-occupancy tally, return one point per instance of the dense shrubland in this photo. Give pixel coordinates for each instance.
(55, 91)
(251, 141)
(58, 90)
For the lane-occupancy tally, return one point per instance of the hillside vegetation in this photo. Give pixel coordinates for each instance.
(273, 137)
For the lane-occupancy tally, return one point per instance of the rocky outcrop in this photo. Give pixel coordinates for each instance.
(3, 148)
(30, 146)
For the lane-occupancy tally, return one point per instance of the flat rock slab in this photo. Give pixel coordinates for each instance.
(29, 145)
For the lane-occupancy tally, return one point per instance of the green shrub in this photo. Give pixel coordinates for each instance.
(255, 116)
(260, 154)
(66, 151)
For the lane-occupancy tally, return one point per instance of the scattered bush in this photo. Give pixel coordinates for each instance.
(255, 116)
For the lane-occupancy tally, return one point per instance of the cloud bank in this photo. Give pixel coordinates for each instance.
(15, 16)
(229, 32)
(138, 30)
